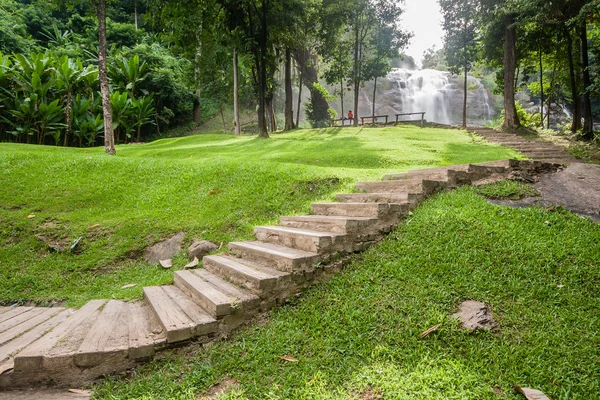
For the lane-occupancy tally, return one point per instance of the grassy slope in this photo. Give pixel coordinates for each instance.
(215, 187)
(358, 333)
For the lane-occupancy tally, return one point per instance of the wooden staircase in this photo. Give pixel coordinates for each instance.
(71, 347)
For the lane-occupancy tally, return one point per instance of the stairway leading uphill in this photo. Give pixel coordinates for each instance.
(71, 347)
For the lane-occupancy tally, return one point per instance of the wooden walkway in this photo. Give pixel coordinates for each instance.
(71, 347)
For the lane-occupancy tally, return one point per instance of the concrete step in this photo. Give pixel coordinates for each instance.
(180, 318)
(275, 256)
(368, 210)
(331, 224)
(301, 238)
(257, 278)
(395, 198)
(217, 296)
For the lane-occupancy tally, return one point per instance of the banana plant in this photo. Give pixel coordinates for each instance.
(69, 73)
(121, 106)
(142, 111)
(127, 73)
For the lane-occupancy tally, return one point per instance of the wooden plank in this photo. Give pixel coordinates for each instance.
(32, 357)
(36, 319)
(32, 335)
(6, 365)
(94, 345)
(19, 319)
(141, 337)
(13, 312)
(203, 323)
(4, 309)
(176, 323)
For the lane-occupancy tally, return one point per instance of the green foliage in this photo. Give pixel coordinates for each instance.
(513, 190)
(356, 336)
(153, 190)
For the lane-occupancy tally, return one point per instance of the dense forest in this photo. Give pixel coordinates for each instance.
(79, 73)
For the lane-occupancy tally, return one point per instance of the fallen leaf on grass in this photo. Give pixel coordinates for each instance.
(31, 216)
(192, 263)
(129, 286)
(428, 331)
(286, 358)
(531, 394)
(212, 192)
(78, 391)
(166, 263)
(93, 226)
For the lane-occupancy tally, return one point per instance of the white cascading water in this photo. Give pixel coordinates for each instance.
(424, 90)
(439, 94)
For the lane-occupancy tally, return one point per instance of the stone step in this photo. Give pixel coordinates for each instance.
(392, 198)
(179, 317)
(275, 256)
(368, 210)
(326, 223)
(217, 296)
(255, 277)
(301, 238)
(33, 357)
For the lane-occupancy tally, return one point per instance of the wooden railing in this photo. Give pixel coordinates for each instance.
(415, 113)
(373, 118)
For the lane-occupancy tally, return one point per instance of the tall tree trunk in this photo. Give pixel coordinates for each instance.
(576, 123)
(262, 72)
(374, 92)
(588, 123)
(109, 138)
(464, 110)
(307, 62)
(135, 14)
(236, 96)
(342, 99)
(355, 74)
(300, 77)
(197, 78)
(67, 119)
(511, 120)
(289, 106)
(542, 91)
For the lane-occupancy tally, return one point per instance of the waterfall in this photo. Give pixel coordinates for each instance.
(438, 93)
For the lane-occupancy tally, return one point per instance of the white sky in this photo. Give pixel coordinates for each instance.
(423, 18)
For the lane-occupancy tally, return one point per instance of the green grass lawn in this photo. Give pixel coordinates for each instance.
(214, 187)
(356, 336)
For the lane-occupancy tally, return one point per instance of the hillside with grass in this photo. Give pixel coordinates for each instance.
(214, 187)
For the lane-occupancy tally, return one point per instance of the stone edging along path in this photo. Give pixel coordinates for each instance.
(72, 347)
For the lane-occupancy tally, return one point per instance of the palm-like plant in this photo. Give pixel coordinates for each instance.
(142, 110)
(69, 73)
(121, 107)
(127, 73)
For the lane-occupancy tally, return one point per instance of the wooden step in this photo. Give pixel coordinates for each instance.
(301, 238)
(328, 223)
(180, 319)
(111, 325)
(32, 358)
(30, 336)
(368, 210)
(36, 317)
(17, 320)
(13, 312)
(396, 198)
(215, 295)
(403, 186)
(145, 332)
(440, 173)
(255, 277)
(279, 257)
